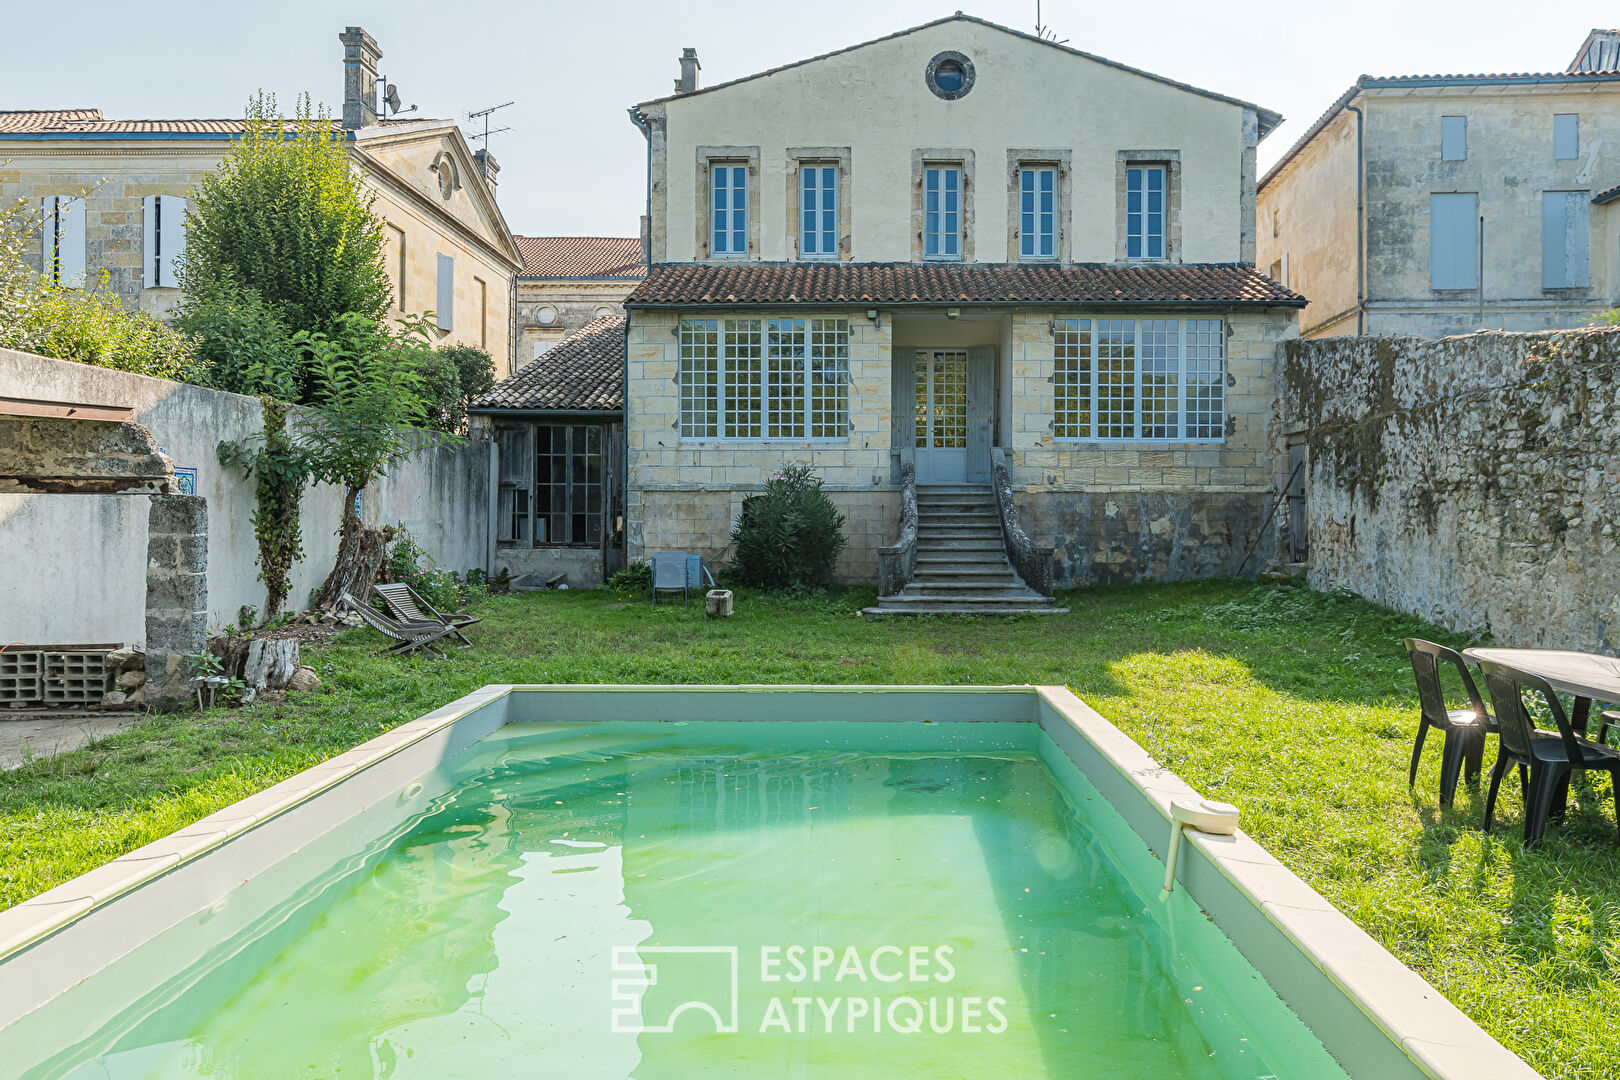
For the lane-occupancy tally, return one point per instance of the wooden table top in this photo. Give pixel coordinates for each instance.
(1586, 675)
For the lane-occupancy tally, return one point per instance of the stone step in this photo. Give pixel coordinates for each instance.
(957, 505)
(986, 575)
(933, 545)
(886, 609)
(966, 532)
(954, 489)
(966, 517)
(967, 592)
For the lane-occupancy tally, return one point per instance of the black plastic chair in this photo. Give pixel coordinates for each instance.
(1609, 718)
(1549, 758)
(1465, 728)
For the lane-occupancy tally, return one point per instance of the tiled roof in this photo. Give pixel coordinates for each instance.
(1607, 195)
(580, 257)
(889, 284)
(91, 121)
(583, 373)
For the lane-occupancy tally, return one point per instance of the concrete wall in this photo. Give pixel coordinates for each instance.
(118, 174)
(1509, 165)
(872, 105)
(1471, 481)
(75, 565)
(574, 304)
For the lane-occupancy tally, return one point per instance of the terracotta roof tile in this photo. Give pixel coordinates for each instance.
(34, 119)
(91, 121)
(584, 372)
(578, 257)
(1092, 284)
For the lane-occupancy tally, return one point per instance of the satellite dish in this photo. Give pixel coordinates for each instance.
(391, 98)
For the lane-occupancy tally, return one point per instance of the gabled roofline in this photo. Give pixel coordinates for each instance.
(1393, 82)
(1269, 119)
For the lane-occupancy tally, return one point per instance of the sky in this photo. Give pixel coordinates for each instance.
(572, 163)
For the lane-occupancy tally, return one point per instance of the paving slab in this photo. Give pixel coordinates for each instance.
(48, 734)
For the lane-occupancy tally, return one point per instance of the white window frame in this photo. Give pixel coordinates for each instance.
(942, 212)
(1159, 374)
(1037, 212)
(728, 182)
(163, 240)
(755, 380)
(818, 210)
(1139, 220)
(64, 254)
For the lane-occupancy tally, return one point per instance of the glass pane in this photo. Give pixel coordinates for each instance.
(1115, 373)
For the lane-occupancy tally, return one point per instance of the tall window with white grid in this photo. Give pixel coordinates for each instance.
(764, 379)
(942, 212)
(728, 194)
(1037, 212)
(1144, 212)
(818, 211)
(1152, 380)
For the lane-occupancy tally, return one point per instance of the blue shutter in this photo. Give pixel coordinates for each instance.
(447, 293)
(1565, 233)
(1453, 235)
(1453, 138)
(1566, 136)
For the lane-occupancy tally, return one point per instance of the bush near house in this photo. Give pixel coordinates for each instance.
(788, 538)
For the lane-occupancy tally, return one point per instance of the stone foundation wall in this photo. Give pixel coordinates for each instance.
(1473, 481)
(1113, 537)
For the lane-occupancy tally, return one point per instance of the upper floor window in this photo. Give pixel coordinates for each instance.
(1565, 237)
(1144, 212)
(1454, 138)
(1453, 240)
(1139, 379)
(728, 196)
(818, 211)
(1037, 212)
(761, 379)
(942, 212)
(63, 252)
(1566, 136)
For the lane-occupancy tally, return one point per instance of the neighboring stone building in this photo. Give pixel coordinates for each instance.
(113, 198)
(558, 422)
(956, 242)
(1440, 204)
(569, 281)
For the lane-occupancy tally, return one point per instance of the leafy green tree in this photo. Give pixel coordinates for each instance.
(452, 375)
(244, 346)
(287, 216)
(369, 415)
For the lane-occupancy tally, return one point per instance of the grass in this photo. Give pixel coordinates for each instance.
(1297, 706)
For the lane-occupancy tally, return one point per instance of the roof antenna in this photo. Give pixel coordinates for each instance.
(486, 133)
(1044, 32)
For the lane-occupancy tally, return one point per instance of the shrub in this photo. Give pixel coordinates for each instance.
(409, 562)
(243, 343)
(635, 579)
(788, 538)
(94, 327)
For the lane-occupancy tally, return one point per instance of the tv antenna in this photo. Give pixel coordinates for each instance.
(1044, 32)
(483, 114)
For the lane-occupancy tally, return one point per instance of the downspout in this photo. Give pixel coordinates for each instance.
(1361, 226)
(646, 260)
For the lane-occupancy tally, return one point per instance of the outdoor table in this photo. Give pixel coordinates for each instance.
(1587, 676)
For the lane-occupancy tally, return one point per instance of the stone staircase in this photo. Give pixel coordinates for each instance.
(962, 567)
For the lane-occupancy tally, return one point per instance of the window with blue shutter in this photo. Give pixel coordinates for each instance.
(942, 212)
(1454, 138)
(1144, 212)
(447, 293)
(62, 241)
(728, 194)
(1037, 213)
(1565, 239)
(1566, 136)
(1453, 241)
(818, 211)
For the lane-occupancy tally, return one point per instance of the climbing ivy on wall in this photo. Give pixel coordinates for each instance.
(282, 470)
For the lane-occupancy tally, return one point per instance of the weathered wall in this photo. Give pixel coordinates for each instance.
(73, 566)
(1473, 481)
(1307, 213)
(572, 304)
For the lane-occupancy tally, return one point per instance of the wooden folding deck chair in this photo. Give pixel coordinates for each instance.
(406, 606)
(410, 635)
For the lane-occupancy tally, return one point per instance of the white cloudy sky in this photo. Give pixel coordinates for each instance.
(573, 163)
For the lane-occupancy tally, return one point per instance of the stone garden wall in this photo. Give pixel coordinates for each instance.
(1473, 481)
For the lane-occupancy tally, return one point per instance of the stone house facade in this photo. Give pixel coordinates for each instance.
(569, 282)
(113, 197)
(886, 260)
(1442, 204)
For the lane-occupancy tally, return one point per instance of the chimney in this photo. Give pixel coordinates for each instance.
(688, 81)
(488, 167)
(360, 56)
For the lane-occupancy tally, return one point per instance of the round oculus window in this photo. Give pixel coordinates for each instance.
(546, 316)
(602, 312)
(949, 75)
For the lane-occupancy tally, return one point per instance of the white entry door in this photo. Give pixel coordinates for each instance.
(942, 420)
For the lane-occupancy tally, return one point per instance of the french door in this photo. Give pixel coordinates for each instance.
(941, 379)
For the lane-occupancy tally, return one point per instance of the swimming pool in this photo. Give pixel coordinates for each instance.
(546, 881)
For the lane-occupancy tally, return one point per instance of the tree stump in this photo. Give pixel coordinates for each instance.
(270, 664)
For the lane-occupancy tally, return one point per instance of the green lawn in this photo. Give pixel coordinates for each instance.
(1296, 706)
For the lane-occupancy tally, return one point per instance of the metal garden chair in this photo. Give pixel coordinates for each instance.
(405, 605)
(1465, 728)
(1549, 759)
(410, 635)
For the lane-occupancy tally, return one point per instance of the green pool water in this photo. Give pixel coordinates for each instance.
(610, 900)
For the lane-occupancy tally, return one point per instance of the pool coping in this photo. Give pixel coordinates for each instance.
(1436, 1036)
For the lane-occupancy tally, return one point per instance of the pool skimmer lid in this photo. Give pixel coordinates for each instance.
(1205, 815)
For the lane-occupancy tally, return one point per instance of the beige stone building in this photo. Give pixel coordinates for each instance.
(113, 196)
(1442, 204)
(953, 246)
(568, 282)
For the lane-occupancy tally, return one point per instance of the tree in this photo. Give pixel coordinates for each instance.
(369, 416)
(452, 375)
(286, 216)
